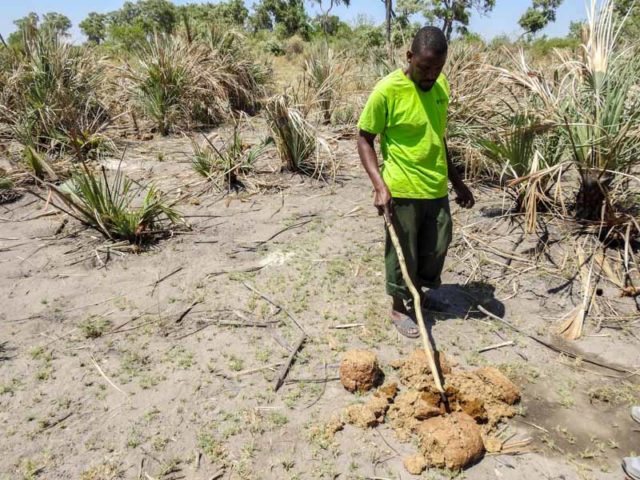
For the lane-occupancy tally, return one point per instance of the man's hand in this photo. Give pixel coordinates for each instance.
(382, 200)
(464, 197)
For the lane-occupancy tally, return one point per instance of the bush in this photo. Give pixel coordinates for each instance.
(50, 97)
(178, 84)
(294, 45)
(228, 164)
(109, 206)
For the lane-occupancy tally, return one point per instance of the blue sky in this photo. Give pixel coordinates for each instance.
(503, 19)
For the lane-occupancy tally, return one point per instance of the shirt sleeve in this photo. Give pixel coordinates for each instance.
(373, 118)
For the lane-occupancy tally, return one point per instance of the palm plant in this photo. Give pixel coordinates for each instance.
(175, 82)
(50, 97)
(593, 100)
(527, 154)
(294, 137)
(324, 71)
(231, 162)
(109, 205)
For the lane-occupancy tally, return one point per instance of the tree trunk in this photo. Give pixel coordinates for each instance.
(388, 6)
(592, 196)
(447, 28)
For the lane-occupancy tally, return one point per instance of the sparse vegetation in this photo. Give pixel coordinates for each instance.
(208, 125)
(108, 205)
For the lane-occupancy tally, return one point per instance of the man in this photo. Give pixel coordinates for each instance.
(408, 109)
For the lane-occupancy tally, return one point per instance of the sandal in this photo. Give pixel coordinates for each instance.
(405, 324)
(631, 466)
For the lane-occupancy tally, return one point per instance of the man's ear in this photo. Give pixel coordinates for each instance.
(409, 55)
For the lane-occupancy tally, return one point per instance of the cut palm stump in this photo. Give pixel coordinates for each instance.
(418, 309)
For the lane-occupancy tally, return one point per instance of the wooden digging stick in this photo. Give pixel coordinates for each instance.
(418, 308)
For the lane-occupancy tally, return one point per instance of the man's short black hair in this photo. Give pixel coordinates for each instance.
(431, 38)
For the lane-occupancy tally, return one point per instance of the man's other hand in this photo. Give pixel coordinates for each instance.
(464, 197)
(382, 200)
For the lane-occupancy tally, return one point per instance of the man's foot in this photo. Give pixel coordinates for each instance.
(631, 466)
(401, 319)
(404, 324)
(635, 413)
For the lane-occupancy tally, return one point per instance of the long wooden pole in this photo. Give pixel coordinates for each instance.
(428, 350)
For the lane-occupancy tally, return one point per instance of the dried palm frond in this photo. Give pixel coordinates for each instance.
(571, 328)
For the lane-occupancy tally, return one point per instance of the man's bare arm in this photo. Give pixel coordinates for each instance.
(369, 159)
(464, 197)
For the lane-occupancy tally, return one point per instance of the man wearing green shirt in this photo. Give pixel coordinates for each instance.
(408, 110)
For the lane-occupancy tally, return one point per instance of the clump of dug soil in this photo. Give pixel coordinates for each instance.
(359, 371)
(479, 400)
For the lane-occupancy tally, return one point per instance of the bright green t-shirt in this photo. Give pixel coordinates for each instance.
(411, 124)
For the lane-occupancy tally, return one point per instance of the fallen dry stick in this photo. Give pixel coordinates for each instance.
(285, 368)
(553, 347)
(497, 345)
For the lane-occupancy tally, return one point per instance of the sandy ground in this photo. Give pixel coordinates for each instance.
(168, 391)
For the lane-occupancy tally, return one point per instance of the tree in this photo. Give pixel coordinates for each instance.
(630, 9)
(287, 17)
(325, 12)
(27, 27)
(575, 29)
(539, 15)
(450, 12)
(231, 12)
(56, 24)
(149, 15)
(94, 27)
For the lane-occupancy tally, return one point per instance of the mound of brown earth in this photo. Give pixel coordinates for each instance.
(479, 399)
(371, 413)
(359, 371)
(453, 441)
(415, 372)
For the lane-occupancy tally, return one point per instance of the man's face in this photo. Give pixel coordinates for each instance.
(425, 67)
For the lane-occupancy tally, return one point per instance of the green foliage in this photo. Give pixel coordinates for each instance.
(94, 326)
(94, 27)
(231, 12)
(285, 17)
(539, 15)
(576, 29)
(631, 10)
(542, 47)
(324, 70)
(176, 83)
(109, 205)
(450, 12)
(55, 23)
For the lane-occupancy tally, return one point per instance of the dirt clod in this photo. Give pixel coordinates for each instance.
(415, 464)
(453, 441)
(504, 389)
(359, 371)
(371, 413)
(415, 372)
